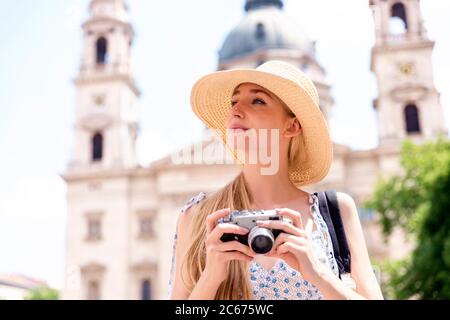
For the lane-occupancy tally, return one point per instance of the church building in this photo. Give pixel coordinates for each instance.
(121, 216)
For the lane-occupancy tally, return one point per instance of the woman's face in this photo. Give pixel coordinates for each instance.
(253, 107)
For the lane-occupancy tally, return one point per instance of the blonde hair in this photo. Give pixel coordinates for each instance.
(235, 196)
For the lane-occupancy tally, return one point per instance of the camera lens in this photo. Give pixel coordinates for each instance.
(260, 240)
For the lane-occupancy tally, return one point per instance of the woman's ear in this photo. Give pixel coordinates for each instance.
(293, 128)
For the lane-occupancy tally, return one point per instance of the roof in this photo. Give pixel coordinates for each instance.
(20, 281)
(264, 27)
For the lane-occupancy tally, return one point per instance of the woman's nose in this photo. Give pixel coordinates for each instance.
(236, 110)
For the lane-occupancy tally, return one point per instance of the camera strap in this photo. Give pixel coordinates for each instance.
(329, 209)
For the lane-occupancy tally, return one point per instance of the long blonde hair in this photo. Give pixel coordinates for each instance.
(235, 196)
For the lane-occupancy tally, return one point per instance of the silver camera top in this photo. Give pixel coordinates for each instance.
(248, 218)
(260, 239)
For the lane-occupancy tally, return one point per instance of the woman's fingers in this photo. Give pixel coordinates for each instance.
(285, 237)
(287, 247)
(211, 220)
(236, 255)
(235, 246)
(222, 228)
(284, 226)
(299, 241)
(295, 216)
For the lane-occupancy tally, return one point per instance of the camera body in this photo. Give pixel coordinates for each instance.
(260, 239)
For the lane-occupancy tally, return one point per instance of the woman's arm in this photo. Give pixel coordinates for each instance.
(361, 268)
(206, 287)
(218, 253)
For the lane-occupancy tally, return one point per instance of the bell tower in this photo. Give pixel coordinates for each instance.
(408, 104)
(106, 119)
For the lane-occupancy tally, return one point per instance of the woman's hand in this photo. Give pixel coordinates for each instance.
(293, 244)
(219, 253)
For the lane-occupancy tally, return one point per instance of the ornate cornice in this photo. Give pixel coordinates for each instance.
(93, 79)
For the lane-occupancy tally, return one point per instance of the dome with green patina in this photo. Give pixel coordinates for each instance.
(264, 27)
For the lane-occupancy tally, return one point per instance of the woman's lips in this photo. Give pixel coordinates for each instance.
(237, 128)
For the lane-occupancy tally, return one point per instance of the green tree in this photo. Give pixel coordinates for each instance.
(418, 202)
(42, 293)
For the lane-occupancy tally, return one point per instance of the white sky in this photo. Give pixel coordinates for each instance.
(176, 42)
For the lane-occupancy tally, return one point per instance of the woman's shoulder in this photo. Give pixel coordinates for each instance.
(185, 217)
(347, 206)
(192, 201)
(345, 201)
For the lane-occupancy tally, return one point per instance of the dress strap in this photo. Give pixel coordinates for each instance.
(312, 203)
(194, 200)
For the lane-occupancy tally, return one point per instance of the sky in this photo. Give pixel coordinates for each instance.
(176, 42)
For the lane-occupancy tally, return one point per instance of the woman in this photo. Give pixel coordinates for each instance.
(279, 97)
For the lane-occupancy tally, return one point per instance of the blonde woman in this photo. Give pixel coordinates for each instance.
(279, 97)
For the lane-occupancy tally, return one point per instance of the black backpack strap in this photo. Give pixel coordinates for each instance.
(329, 209)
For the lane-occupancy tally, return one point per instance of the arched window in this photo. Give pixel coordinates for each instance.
(146, 290)
(93, 290)
(97, 147)
(101, 51)
(260, 32)
(412, 119)
(398, 24)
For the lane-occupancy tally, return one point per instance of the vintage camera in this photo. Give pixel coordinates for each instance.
(260, 239)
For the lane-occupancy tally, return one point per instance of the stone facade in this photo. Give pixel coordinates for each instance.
(122, 217)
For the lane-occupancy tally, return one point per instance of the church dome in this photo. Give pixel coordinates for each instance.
(265, 26)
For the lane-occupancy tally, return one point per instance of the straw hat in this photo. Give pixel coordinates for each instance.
(211, 102)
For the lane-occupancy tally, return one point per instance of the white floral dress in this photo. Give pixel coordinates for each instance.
(281, 282)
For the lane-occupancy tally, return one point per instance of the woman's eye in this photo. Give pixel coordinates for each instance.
(258, 101)
(233, 103)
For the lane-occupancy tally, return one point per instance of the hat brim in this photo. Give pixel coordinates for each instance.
(211, 102)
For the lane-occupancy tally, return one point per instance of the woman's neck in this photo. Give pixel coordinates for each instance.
(270, 190)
